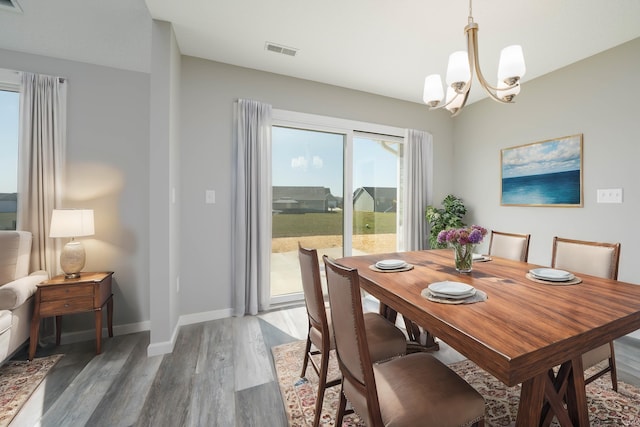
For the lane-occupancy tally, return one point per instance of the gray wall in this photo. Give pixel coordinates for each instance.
(108, 171)
(208, 92)
(596, 97)
(164, 197)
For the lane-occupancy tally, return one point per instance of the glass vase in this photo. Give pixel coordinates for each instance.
(463, 258)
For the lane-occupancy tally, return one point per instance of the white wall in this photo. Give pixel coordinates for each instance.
(596, 97)
(108, 171)
(208, 92)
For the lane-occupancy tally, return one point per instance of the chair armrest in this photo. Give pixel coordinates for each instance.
(14, 294)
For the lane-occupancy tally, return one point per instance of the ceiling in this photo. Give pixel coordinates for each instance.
(385, 47)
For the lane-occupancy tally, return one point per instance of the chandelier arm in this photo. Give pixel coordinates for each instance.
(464, 91)
(474, 63)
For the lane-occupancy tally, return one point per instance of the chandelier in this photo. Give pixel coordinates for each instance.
(511, 68)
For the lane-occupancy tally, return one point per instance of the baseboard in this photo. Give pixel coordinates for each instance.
(90, 334)
(154, 349)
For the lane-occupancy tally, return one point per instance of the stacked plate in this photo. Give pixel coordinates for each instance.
(551, 274)
(451, 290)
(391, 264)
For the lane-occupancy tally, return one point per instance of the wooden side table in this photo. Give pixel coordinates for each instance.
(60, 296)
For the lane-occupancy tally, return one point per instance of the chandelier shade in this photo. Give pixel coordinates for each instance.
(462, 65)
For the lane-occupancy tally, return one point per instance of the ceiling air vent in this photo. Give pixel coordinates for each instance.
(277, 48)
(11, 5)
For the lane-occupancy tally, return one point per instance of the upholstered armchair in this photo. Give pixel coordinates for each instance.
(17, 288)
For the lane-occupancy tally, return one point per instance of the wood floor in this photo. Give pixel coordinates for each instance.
(220, 374)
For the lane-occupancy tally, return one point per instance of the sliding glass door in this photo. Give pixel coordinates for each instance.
(307, 180)
(335, 190)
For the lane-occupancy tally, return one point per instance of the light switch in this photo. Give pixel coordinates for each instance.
(210, 197)
(609, 195)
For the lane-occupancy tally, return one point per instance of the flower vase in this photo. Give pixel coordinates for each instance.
(463, 257)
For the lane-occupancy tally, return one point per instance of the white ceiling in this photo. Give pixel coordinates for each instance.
(385, 47)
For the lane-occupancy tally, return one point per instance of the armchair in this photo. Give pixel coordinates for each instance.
(17, 288)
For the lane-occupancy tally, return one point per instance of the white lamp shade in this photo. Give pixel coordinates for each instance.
(432, 89)
(511, 63)
(71, 223)
(457, 100)
(458, 70)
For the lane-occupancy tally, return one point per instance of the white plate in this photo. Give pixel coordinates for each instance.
(477, 257)
(451, 288)
(390, 264)
(471, 293)
(551, 274)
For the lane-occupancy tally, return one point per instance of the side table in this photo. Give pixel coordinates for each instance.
(60, 296)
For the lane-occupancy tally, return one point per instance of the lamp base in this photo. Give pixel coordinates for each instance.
(72, 259)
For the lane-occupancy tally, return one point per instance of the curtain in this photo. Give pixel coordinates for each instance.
(251, 222)
(415, 190)
(43, 132)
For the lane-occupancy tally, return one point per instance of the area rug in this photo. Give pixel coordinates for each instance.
(18, 379)
(606, 407)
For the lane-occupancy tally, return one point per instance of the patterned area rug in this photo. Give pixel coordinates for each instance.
(606, 407)
(18, 379)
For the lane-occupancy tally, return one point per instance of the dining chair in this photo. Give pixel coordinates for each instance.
(509, 245)
(384, 338)
(412, 390)
(596, 259)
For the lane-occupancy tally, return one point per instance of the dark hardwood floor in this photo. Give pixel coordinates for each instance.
(219, 374)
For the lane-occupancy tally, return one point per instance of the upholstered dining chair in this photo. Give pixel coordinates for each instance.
(509, 245)
(412, 390)
(596, 259)
(385, 340)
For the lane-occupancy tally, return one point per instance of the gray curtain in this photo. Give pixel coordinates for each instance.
(43, 133)
(251, 219)
(415, 190)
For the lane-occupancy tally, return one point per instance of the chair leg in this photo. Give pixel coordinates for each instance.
(612, 366)
(322, 385)
(342, 406)
(306, 357)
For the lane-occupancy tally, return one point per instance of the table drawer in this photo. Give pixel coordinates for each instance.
(66, 292)
(59, 307)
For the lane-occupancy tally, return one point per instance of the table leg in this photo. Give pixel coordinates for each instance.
(413, 330)
(34, 329)
(98, 315)
(58, 329)
(543, 397)
(110, 316)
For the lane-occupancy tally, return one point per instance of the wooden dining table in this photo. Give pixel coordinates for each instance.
(521, 332)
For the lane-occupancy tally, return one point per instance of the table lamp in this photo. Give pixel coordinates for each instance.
(72, 223)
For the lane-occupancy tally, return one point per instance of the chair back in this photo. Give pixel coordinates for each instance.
(312, 288)
(358, 382)
(593, 258)
(15, 252)
(509, 245)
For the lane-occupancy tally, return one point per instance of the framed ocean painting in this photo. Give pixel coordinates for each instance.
(546, 173)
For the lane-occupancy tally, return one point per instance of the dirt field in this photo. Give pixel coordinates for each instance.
(368, 243)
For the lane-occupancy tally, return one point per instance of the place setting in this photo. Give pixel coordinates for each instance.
(448, 292)
(391, 266)
(552, 276)
(480, 258)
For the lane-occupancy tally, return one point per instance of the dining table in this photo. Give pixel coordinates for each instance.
(527, 331)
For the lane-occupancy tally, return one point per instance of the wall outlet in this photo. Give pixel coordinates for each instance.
(610, 195)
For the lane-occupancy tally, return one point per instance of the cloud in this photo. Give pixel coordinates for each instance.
(299, 163)
(317, 162)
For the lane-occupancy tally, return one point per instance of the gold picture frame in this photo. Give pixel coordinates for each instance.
(547, 173)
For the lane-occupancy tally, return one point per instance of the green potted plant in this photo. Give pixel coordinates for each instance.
(449, 216)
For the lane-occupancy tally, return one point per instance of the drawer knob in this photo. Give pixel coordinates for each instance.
(66, 305)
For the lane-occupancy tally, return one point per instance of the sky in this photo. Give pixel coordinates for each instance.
(309, 158)
(558, 155)
(9, 105)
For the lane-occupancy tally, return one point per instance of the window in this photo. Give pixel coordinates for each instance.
(9, 125)
(334, 189)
